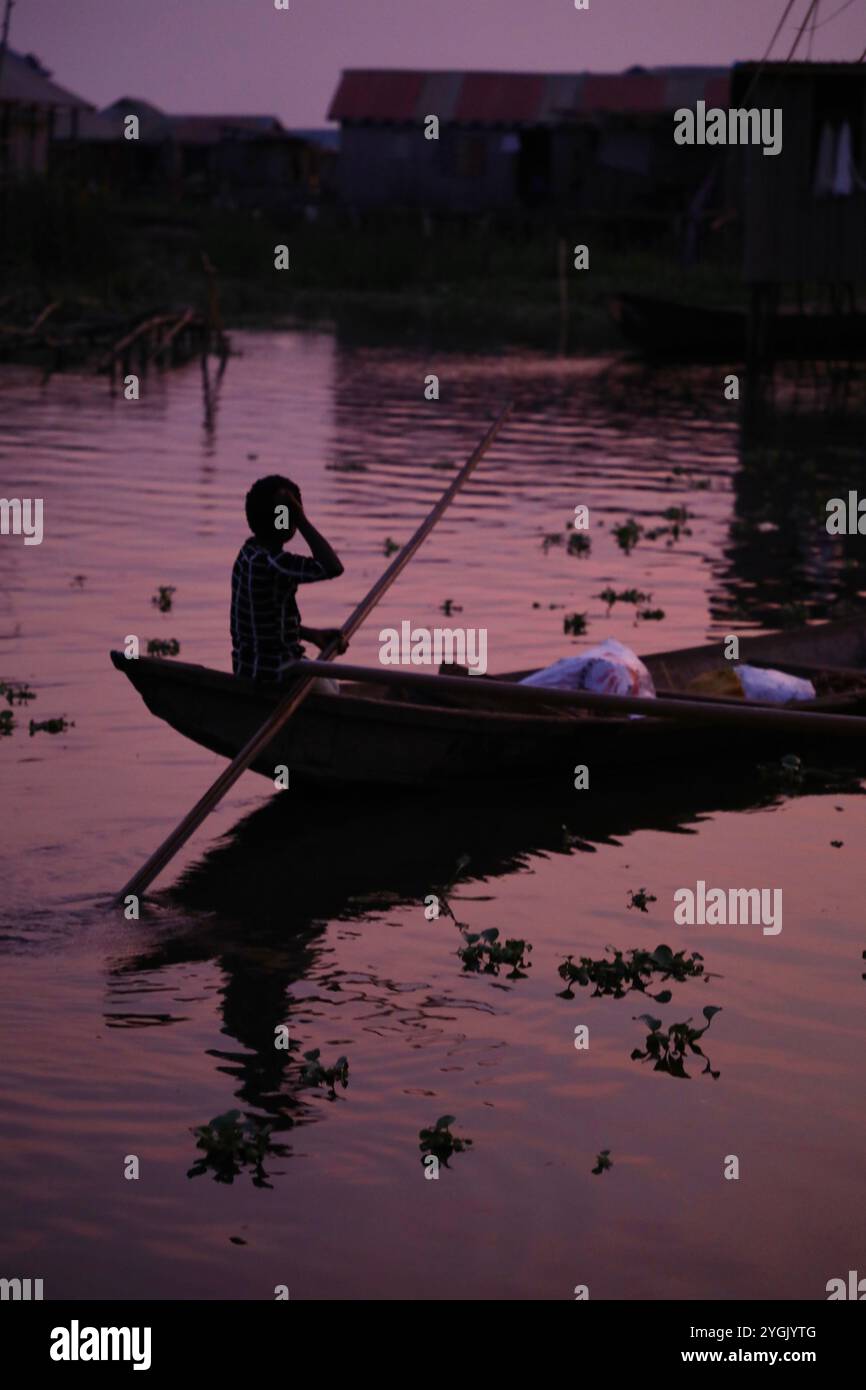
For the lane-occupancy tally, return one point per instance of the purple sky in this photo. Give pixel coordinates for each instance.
(243, 56)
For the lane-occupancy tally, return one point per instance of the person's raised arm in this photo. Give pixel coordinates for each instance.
(319, 547)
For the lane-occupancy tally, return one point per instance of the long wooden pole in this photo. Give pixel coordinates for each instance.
(286, 708)
(533, 699)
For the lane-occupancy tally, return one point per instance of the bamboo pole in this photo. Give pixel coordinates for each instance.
(286, 708)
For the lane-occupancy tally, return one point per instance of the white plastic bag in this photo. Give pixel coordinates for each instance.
(610, 668)
(773, 687)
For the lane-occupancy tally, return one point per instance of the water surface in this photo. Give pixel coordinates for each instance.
(121, 1037)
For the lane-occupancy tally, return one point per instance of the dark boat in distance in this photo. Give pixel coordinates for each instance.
(371, 735)
(664, 328)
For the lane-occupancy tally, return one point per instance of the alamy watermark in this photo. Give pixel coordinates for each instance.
(20, 1290)
(421, 646)
(715, 907)
(77, 1343)
(734, 127)
(22, 516)
(846, 517)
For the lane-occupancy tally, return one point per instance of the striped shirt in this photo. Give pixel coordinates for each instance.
(265, 620)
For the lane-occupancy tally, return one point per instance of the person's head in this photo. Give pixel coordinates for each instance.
(263, 499)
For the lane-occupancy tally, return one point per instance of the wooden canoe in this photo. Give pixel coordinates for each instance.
(688, 332)
(367, 736)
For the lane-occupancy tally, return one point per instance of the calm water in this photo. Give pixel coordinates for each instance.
(121, 1037)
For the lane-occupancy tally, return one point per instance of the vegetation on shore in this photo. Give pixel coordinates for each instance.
(467, 280)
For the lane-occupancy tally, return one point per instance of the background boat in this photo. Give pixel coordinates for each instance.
(663, 328)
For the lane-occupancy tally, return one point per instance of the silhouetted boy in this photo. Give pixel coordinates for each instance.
(265, 620)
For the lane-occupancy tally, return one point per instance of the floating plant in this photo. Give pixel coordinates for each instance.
(603, 1161)
(579, 544)
(314, 1073)
(230, 1144)
(162, 599)
(575, 623)
(390, 547)
(448, 606)
(157, 647)
(552, 538)
(627, 534)
(49, 726)
(619, 975)
(651, 615)
(669, 1049)
(440, 1142)
(641, 899)
(610, 596)
(17, 694)
(7, 722)
(677, 516)
(484, 953)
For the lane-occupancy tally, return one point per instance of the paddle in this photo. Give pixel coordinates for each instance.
(533, 699)
(286, 708)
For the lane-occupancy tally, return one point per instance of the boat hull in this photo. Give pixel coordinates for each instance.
(356, 739)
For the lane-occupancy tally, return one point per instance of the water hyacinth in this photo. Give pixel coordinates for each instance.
(668, 1049)
(231, 1143)
(162, 599)
(483, 952)
(620, 974)
(314, 1073)
(440, 1142)
(641, 899)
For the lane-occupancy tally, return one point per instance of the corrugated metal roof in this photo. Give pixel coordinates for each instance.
(520, 98)
(491, 97)
(561, 93)
(23, 79)
(625, 92)
(440, 95)
(367, 95)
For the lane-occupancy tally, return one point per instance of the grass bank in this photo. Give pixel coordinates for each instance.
(396, 275)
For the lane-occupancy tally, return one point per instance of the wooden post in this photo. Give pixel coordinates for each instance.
(561, 265)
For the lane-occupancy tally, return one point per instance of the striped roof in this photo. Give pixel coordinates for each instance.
(520, 98)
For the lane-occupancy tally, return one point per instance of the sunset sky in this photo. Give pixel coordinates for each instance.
(243, 56)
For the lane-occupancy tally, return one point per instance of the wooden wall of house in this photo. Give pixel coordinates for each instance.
(466, 170)
(24, 135)
(790, 234)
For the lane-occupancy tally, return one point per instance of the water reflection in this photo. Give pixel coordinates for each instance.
(259, 903)
(780, 565)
